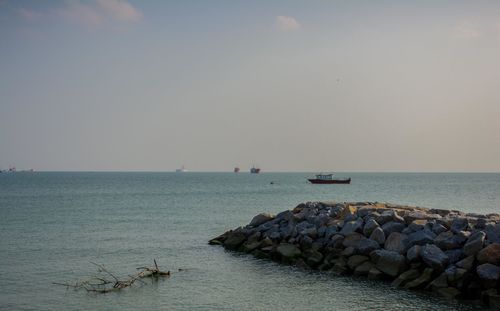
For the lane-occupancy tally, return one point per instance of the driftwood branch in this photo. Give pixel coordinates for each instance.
(106, 281)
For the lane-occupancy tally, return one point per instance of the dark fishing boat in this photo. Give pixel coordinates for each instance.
(255, 170)
(328, 179)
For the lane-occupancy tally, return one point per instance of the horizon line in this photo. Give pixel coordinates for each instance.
(262, 172)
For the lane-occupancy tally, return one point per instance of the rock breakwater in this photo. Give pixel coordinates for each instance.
(448, 252)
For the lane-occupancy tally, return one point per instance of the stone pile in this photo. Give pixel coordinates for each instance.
(451, 253)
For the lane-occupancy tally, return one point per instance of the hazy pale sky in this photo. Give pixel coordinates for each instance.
(286, 85)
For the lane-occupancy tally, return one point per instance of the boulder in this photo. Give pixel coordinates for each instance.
(305, 242)
(413, 254)
(352, 239)
(366, 246)
(417, 225)
(260, 219)
(422, 280)
(330, 231)
(356, 260)
(405, 277)
(459, 224)
(454, 274)
(370, 225)
(288, 251)
(364, 268)
(466, 263)
(438, 228)
(378, 235)
(440, 282)
(493, 232)
(474, 243)
(348, 251)
(249, 246)
(414, 215)
(455, 255)
(490, 254)
(352, 226)
(266, 242)
(392, 226)
(389, 262)
(348, 212)
(384, 216)
(285, 215)
(312, 257)
(395, 242)
(421, 237)
(312, 232)
(340, 266)
(448, 240)
(489, 275)
(234, 240)
(434, 257)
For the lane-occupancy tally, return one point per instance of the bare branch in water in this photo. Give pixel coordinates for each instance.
(108, 282)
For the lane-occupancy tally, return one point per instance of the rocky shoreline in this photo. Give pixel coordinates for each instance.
(448, 252)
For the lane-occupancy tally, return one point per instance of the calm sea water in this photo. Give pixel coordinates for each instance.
(52, 225)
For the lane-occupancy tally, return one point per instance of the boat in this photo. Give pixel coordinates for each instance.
(236, 169)
(328, 179)
(181, 170)
(255, 170)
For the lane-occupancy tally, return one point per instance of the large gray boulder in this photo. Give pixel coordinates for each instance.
(352, 226)
(493, 232)
(234, 240)
(288, 251)
(490, 254)
(434, 257)
(260, 219)
(421, 237)
(313, 257)
(392, 226)
(360, 244)
(395, 242)
(455, 255)
(366, 246)
(459, 224)
(417, 225)
(370, 225)
(438, 228)
(422, 280)
(352, 239)
(466, 263)
(364, 268)
(449, 240)
(406, 277)
(378, 235)
(389, 262)
(356, 260)
(489, 272)
(414, 215)
(413, 254)
(474, 243)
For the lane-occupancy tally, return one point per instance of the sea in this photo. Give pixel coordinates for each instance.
(54, 225)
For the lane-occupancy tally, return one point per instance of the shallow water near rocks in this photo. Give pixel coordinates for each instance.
(53, 224)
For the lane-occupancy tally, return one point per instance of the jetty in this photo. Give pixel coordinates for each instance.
(450, 253)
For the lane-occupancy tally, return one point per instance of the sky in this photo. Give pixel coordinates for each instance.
(119, 85)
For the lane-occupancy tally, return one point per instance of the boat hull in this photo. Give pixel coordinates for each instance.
(332, 181)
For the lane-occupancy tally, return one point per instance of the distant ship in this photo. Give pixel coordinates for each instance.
(328, 179)
(181, 170)
(236, 169)
(255, 170)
